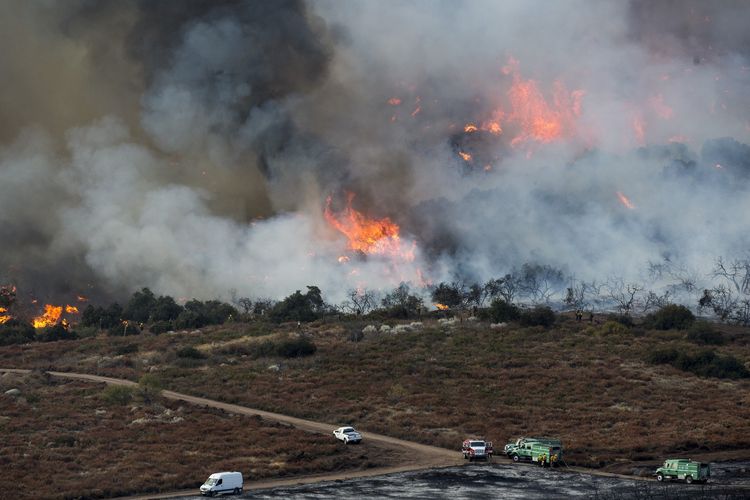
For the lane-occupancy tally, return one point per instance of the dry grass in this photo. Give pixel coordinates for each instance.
(587, 384)
(80, 444)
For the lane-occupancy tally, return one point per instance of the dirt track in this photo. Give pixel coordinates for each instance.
(416, 456)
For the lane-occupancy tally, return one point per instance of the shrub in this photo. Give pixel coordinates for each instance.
(295, 348)
(164, 309)
(704, 363)
(703, 333)
(126, 349)
(299, 307)
(501, 310)
(117, 394)
(670, 317)
(15, 332)
(149, 386)
(623, 319)
(161, 327)
(538, 316)
(613, 328)
(56, 332)
(124, 328)
(190, 352)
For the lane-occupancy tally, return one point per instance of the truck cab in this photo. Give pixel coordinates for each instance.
(473, 449)
(683, 469)
(221, 483)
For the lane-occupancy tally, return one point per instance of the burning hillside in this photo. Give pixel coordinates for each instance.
(192, 148)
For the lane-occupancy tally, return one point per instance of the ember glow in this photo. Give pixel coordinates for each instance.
(370, 236)
(625, 201)
(464, 156)
(71, 309)
(50, 317)
(441, 307)
(4, 317)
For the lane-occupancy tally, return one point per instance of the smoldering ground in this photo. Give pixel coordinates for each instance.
(190, 146)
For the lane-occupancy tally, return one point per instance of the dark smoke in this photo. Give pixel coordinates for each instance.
(189, 146)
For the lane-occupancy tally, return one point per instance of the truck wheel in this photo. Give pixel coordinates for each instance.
(515, 458)
(689, 479)
(659, 477)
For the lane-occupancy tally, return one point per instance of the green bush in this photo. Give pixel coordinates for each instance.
(161, 327)
(612, 328)
(501, 311)
(538, 316)
(670, 317)
(56, 332)
(124, 328)
(190, 352)
(299, 307)
(295, 348)
(126, 349)
(117, 394)
(703, 333)
(704, 363)
(15, 332)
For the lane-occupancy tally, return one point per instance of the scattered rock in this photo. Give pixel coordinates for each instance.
(447, 321)
(472, 318)
(416, 325)
(274, 368)
(385, 329)
(497, 326)
(99, 412)
(401, 329)
(370, 329)
(13, 392)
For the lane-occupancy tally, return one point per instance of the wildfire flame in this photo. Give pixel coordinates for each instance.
(71, 309)
(4, 318)
(81, 298)
(441, 307)
(464, 156)
(371, 236)
(50, 317)
(625, 201)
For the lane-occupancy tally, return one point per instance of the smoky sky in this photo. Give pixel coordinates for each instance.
(190, 146)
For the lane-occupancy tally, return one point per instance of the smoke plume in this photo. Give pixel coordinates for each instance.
(190, 146)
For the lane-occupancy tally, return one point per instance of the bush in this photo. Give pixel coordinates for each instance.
(295, 348)
(539, 316)
(124, 328)
(15, 332)
(613, 328)
(704, 363)
(501, 310)
(117, 394)
(670, 317)
(299, 307)
(56, 332)
(126, 349)
(190, 352)
(161, 327)
(623, 319)
(703, 333)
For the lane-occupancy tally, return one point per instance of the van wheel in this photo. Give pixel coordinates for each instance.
(689, 479)
(659, 477)
(236, 491)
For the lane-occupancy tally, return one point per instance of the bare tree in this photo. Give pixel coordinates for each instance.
(506, 288)
(653, 300)
(736, 272)
(360, 301)
(623, 294)
(246, 304)
(539, 282)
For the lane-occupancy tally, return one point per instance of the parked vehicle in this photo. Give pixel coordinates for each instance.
(541, 450)
(473, 449)
(347, 435)
(221, 483)
(683, 469)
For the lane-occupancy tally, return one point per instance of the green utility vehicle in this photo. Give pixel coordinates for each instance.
(541, 450)
(685, 469)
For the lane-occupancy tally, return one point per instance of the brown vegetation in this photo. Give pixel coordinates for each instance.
(591, 384)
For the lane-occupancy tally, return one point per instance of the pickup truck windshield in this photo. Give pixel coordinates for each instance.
(476, 443)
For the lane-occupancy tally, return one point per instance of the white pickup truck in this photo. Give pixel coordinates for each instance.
(347, 435)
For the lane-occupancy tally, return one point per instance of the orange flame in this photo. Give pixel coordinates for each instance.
(81, 298)
(441, 307)
(464, 156)
(371, 236)
(470, 127)
(4, 318)
(71, 309)
(625, 201)
(394, 101)
(50, 317)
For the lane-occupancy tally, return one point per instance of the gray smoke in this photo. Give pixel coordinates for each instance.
(189, 146)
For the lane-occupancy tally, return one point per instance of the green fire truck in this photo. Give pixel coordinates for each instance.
(540, 450)
(684, 469)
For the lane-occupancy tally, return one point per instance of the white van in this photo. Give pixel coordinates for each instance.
(221, 483)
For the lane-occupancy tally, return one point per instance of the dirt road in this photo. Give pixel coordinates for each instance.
(416, 456)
